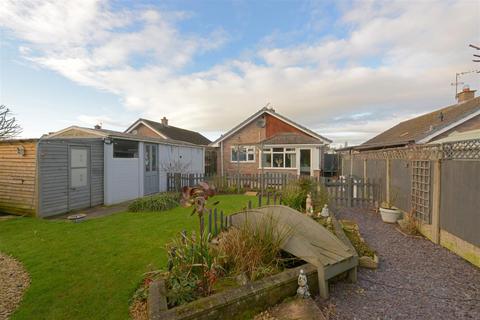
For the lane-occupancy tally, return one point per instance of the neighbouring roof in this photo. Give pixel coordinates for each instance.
(425, 127)
(271, 112)
(459, 136)
(172, 132)
(290, 138)
(104, 133)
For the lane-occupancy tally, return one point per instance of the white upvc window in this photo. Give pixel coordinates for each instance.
(243, 154)
(279, 158)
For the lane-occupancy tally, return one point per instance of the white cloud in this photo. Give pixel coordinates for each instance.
(397, 59)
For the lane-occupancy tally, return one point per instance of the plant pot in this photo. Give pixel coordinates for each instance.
(389, 215)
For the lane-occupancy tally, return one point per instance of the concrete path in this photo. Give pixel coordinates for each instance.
(96, 212)
(416, 279)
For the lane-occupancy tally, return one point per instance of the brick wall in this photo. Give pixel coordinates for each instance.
(143, 130)
(249, 135)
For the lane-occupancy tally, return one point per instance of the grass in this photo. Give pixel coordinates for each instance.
(90, 270)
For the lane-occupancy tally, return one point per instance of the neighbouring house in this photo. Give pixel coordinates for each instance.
(430, 166)
(458, 118)
(283, 145)
(77, 168)
(163, 129)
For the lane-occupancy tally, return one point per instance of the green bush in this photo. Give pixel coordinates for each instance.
(193, 268)
(295, 194)
(158, 202)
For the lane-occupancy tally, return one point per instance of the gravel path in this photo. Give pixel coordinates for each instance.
(13, 282)
(416, 279)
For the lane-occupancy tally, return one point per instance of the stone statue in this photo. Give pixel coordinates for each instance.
(302, 291)
(308, 204)
(325, 213)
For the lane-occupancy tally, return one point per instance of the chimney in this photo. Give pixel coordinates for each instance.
(98, 126)
(165, 121)
(466, 94)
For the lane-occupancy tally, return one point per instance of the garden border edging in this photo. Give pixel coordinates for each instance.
(233, 303)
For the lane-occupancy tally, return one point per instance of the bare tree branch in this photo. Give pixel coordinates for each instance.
(9, 126)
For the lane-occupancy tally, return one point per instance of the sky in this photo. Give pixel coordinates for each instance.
(346, 69)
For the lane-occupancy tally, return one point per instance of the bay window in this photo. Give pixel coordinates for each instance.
(243, 154)
(279, 158)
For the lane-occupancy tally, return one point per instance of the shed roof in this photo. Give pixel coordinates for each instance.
(115, 134)
(425, 127)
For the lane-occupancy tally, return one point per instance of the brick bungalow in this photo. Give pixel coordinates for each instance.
(284, 146)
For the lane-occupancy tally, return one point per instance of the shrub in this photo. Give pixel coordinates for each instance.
(253, 249)
(193, 267)
(158, 202)
(295, 194)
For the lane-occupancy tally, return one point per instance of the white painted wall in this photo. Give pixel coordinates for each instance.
(179, 158)
(122, 178)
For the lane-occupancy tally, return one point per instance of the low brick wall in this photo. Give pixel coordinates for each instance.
(242, 301)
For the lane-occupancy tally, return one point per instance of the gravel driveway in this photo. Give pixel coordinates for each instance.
(416, 279)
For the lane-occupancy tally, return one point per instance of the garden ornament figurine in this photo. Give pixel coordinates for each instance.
(302, 291)
(325, 212)
(308, 204)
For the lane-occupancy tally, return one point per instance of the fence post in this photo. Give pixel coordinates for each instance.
(349, 191)
(388, 179)
(436, 199)
(178, 181)
(215, 220)
(221, 220)
(210, 221)
(259, 200)
(249, 204)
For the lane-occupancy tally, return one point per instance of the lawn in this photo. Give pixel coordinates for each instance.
(90, 270)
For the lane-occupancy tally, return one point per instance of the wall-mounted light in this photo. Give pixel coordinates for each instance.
(108, 140)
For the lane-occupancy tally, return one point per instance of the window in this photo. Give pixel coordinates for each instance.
(78, 167)
(243, 154)
(125, 149)
(279, 158)
(150, 157)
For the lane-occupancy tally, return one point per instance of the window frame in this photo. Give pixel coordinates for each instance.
(248, 153)
(271, 152)
(135, 153)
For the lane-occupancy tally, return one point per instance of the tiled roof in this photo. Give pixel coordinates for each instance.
(178, 133)
(272, 112)
(290, 138)
(116, 134)
(413, 130)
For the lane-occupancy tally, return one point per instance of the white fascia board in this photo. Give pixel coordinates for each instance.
(449, 127)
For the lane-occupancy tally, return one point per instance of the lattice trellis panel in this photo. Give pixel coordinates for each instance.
(421, 189)
(468, 149)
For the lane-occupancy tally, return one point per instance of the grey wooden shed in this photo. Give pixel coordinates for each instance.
(80, 167)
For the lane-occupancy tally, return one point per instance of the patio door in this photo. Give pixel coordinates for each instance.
(79, 193)
(151, 179)
(305, 162)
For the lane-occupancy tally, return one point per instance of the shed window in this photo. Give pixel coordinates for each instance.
(125, 149)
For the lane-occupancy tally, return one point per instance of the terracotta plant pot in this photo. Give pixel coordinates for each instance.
(390, 215)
